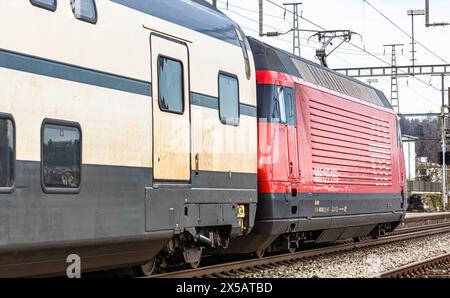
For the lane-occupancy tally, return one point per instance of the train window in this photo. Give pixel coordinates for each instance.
(7, 153)
(84, 10)
(228, 99)
(170, 85)
(47, 4)
(277, 104)
(282, 105)
(61, 156)
(291, 109)
(399, 135)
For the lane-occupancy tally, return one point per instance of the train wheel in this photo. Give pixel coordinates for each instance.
(192, 257)
(147, 269)
(260, 253)
(193, 265)
(292, 249)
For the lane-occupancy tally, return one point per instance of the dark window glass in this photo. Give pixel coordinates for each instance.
(282, 104)
(61, 156)
(228, 100)
(399, 135)
(291, 108)
(6, 153)
(47, 4)
(84, 10)
(277, 104)
(170, 84)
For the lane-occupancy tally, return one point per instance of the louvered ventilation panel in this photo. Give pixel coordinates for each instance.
(349, 148)
(333, 81)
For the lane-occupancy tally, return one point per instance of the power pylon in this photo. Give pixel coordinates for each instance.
(395, 100)
(295, 27)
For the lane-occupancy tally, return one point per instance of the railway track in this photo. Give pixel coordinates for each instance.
(232, 269)
(437, 267)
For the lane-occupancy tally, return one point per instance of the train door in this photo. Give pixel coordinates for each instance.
(292, 145)
(287, 159)
(291, 120)
(401, 165)
(288, 119)
(280, 154)
(171, 110)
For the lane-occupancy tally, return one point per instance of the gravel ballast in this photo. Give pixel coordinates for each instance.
(367, 262)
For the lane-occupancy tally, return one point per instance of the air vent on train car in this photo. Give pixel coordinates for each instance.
(318, 75)
(349, 148)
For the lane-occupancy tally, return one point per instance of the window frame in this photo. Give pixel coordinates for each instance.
(45, 6)
(293, 101)
(59, 190)
(282, 107)
(243, 45)
(399, 135)
(10, 189)
(230, 75)
(84, 18)
(183, 90)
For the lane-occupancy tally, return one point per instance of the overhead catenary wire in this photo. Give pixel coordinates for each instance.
(289, 41)
(404, 32)
(356, 46)
(357, 51)
(253, 11)
(254, 31)
(252, 20)
(343, 51)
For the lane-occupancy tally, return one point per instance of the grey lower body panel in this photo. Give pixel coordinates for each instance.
(335, 216)
(51, 259)
(190, 208)
(39, 230)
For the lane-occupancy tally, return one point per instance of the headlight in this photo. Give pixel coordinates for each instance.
(240, 211)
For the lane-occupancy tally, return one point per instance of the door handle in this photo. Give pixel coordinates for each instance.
(197, 170)
(287, 193)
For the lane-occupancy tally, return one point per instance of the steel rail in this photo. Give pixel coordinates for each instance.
(230, 269)
(418, 269)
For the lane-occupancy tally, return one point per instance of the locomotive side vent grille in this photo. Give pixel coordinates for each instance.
(336, 82)
(348, 147)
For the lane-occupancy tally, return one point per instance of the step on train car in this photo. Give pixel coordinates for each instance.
(127, 130)
(330, 159)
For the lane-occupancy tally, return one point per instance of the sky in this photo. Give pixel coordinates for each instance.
(356, 15)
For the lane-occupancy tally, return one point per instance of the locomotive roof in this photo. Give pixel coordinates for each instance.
(197, 15)
(270, 58)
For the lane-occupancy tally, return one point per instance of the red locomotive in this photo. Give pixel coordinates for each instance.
(330, 162)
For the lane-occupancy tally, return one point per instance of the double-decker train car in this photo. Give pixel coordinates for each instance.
(330, 160)
(127, 130)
